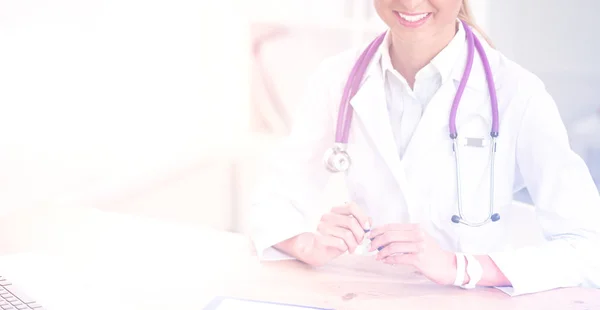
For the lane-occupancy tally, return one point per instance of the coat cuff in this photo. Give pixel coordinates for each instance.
(264, 241)
(535, 269)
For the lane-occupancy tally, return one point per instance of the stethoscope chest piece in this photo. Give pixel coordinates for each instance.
(337, 159)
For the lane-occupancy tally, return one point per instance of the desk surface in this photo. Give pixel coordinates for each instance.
(133, 263)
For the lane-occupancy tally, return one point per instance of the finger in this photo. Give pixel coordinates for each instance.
(401, 259)
(348, 222)
(401, 236)
(398, 248)
(342, 233)
(354, 210)
(376, 231)
(333, 242)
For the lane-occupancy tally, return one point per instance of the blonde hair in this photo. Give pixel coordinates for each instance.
(466, 15)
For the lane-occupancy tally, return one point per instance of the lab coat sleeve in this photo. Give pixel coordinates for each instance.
(292, 178)
(567, 207)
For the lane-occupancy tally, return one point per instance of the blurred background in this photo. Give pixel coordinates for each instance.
(163, 108)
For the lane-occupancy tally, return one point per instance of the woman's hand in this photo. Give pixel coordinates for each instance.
(408, 244)
(340, 230)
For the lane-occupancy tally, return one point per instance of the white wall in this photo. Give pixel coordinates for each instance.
(139, 106)
(558, 40)
(101, 95)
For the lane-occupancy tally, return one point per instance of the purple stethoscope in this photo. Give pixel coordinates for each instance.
(338, 160)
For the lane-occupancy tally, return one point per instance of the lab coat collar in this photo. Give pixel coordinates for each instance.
(370, 108)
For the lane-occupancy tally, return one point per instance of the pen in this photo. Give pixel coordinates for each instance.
(379, 248)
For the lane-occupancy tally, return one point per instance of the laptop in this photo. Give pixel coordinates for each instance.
(12, 296)
(30, 281)
(115, 282)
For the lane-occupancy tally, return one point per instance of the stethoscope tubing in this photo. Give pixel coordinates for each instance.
(354, 80)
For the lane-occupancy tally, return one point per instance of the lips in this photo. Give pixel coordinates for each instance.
(412, 20)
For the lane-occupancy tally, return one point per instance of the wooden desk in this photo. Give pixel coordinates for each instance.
(362, 283)
(188, 266)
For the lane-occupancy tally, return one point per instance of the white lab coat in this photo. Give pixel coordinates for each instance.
(586, 142)
(533, 151)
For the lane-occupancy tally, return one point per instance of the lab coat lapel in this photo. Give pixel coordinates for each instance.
(370, 108)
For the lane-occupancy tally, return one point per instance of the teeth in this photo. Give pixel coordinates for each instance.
(413, 18)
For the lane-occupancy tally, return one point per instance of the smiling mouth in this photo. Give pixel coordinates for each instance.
(413, 18)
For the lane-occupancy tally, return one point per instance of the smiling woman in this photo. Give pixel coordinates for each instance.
(391, 117)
